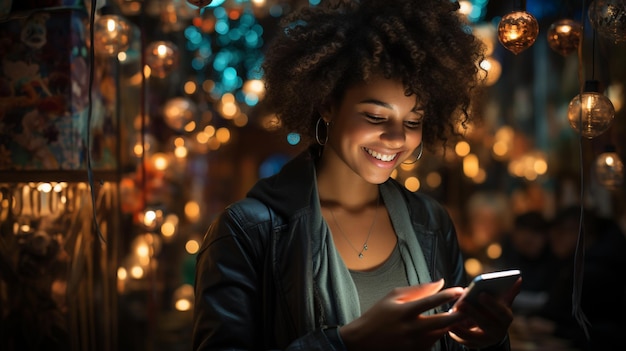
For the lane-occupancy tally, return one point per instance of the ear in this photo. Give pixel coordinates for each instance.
(327, 111)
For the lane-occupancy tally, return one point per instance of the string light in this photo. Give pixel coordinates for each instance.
(590, 113)
(111, 33)
(608, 18)
(610, 169)
(162, 58)
(564, 36)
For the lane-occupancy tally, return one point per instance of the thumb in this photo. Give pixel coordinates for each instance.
(416, 292)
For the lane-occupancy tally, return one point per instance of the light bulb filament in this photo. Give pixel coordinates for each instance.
(162, 50)
(564, 29)
(610, 161)
(111, 25)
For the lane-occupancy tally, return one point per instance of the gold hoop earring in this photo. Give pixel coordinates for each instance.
(317, 132)
(419, 155)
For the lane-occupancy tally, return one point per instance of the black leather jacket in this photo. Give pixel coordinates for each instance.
(259, 275)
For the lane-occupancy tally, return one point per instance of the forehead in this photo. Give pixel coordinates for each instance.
(381, 89)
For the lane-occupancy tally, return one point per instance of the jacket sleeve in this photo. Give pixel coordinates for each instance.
(230, 303)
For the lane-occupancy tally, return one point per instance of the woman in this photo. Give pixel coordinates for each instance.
(330, 253)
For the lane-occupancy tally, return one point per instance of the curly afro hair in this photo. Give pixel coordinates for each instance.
(323, 50)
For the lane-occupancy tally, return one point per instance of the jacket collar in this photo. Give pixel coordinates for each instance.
(291, 190)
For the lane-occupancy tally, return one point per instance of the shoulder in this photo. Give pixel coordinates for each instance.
(247, 220)
(249, 212)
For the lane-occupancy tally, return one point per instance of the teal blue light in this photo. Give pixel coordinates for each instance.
(476, 13)
(235, 34)
(276, 11)
(252, 38)
(251, 99)
(197, 63)
(205, 50)
(258, 29)
(314, 2)
(222, 27)
(221, 62)
(247, 20)
(478, 10)
(293, 138)
(230, 73)
(220, 13)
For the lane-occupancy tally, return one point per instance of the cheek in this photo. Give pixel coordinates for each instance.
(414, 138)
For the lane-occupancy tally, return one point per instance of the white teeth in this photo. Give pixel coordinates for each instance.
(381, 157)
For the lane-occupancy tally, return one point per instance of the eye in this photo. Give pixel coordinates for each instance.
(413, 124)
(373, 118)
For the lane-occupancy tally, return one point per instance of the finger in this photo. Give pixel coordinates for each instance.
(470, 340)
(432, 301)
(491, 304)
(510, 295)
(490, 312)
(439, 321)
(416, 292)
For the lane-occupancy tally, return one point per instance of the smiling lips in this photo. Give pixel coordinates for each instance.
(382, 157)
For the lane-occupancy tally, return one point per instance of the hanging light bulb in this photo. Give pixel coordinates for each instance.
(178, 112)
(111, 33)
(200, 3)
(162, 58)
(564, 36)
(590, 113)
(610, 169)
(608, 18)
(517, 31)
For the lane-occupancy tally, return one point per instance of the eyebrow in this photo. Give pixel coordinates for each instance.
(416, 109)
(376, 102)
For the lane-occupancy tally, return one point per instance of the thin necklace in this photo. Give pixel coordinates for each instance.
(369, 233)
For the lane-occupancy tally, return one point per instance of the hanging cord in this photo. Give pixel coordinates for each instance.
(579, 256)
(92, 64)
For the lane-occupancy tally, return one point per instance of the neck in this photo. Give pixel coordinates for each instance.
(339, 186)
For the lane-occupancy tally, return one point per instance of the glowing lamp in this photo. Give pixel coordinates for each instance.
(111, 33)
(608, 18)
(162, 58)
(610, 169)
(178, 112)
(517, 31)
(590, 113)
(564, 36)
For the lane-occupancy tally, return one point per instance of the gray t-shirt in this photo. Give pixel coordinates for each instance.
(373, 285)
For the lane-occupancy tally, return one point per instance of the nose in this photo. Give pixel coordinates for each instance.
(394, 135)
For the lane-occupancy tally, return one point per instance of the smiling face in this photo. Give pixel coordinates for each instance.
(372, 130)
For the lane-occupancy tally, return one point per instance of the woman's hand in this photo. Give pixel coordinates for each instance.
(486, 323)
(396, 322)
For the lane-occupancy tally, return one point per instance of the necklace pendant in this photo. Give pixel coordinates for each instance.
(365, 247)
(361, 255)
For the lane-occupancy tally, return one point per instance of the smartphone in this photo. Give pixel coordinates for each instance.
(494, 283)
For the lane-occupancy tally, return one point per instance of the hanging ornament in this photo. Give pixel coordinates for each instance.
(200, 3)
(162, 58)
(590, 113)
(517, 31)
(111, 33)
(178, 112)
(610, 169)
(564, 36)
(608, 18)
